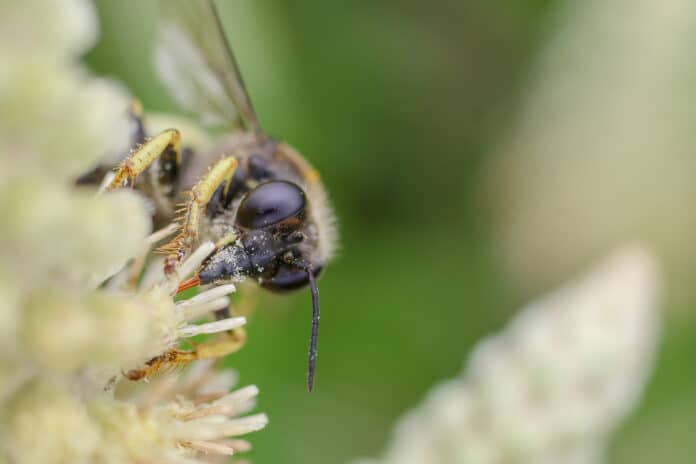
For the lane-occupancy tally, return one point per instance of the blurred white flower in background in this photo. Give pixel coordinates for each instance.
(63, 340)
(554, 385)
(602, 149)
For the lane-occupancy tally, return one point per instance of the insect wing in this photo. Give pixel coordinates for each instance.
(196, 64)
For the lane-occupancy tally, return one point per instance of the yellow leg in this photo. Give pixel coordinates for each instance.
(202, 192)
(224, 344)
(144, 155)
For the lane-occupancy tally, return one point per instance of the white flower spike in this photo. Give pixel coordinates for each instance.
(554, 385)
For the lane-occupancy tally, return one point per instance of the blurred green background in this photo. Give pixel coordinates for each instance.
(398, 104)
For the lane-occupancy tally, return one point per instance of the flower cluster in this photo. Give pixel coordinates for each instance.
(70, 319)
(554, 384)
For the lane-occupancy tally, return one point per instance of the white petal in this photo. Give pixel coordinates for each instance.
(212, 327)
(196, 258)
(193, 312)
(209, 295)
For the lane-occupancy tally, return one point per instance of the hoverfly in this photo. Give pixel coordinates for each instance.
(257, 198)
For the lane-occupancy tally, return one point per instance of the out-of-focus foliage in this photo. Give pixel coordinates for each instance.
(402, 105)
(602, 148)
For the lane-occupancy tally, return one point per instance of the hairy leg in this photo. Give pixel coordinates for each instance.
(221, 173)
(222, 345)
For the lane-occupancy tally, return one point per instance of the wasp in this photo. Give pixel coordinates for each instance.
(257, 198)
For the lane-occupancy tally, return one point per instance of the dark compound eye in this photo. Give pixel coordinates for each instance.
(288, 278)
(271, 203)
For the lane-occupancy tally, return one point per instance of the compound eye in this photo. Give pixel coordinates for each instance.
(288, 278)
(272, 203)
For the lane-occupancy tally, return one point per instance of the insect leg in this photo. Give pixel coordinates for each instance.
(224, 344)
(222, 172)
(144, 155)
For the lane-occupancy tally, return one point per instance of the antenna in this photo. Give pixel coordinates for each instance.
(315, 329)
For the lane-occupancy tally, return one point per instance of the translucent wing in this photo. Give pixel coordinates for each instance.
(196, 64)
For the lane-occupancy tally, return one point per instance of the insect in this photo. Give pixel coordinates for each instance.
(257, 198)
